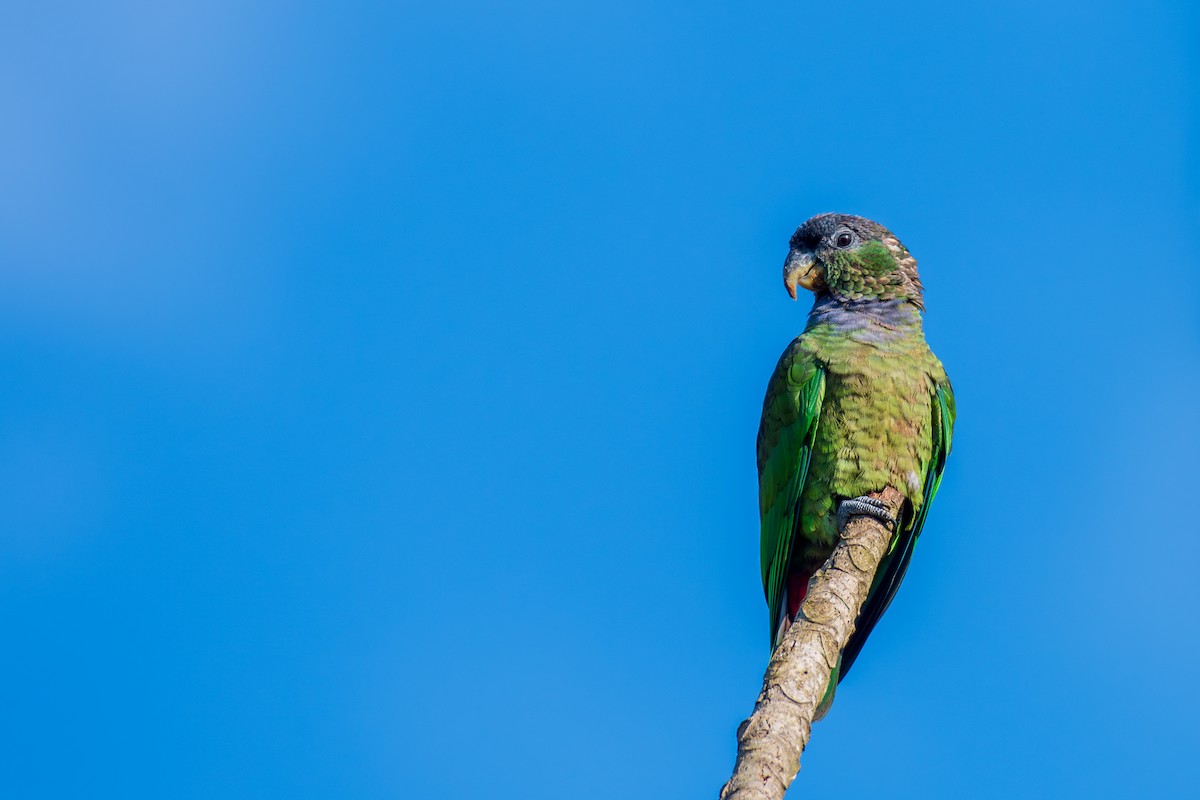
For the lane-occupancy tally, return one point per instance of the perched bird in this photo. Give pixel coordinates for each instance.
(858, 402)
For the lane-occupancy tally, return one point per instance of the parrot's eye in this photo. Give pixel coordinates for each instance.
(844, 239)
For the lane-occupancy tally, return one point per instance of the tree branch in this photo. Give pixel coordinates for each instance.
(771, 740)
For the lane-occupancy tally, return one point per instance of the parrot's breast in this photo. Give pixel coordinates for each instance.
(876, 424)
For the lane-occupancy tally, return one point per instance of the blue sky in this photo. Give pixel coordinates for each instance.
(382, 383)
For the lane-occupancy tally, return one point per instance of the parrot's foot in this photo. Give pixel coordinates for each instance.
(865, 506)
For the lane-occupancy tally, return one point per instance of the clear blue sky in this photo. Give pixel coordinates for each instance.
(381, 387)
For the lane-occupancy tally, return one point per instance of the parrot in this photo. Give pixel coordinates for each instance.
(856, 403)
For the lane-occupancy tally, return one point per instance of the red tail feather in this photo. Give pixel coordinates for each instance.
(797, 588)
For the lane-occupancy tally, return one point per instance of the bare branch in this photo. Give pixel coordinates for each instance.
(771, 740)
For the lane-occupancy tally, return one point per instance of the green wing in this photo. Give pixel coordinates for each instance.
(895, 563)
(791, 410)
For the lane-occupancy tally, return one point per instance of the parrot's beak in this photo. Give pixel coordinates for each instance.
(801, 270)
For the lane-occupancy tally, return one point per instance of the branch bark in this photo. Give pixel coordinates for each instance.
(771, 740)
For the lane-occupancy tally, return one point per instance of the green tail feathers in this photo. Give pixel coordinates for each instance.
(830, 690)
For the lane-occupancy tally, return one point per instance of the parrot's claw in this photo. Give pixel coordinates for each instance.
(865, 506)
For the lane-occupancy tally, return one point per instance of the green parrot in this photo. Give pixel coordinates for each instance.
(858, 402)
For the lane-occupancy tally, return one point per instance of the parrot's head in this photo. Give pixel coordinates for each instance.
(850, 258)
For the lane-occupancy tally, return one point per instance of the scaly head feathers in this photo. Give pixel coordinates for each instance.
(851, 258)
